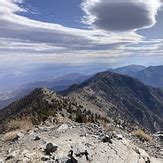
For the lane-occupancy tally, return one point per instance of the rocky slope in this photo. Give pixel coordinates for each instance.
(121, 97)
(73, 142)
(42, 103)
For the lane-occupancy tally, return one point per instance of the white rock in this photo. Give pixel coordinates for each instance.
(119, 136)
(143, 154)
(63, 127)
(20, 134)
(15, 153)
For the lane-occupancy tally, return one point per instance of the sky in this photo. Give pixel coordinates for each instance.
(43, 39)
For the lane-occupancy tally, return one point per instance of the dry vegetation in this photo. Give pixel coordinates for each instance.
(142, 135)
(23, 125)
(10, 136)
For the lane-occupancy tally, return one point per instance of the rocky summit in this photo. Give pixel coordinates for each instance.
(75, 143)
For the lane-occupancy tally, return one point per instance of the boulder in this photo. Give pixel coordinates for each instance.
(63, 127)
(119, 137)
(50, 148)
(37, 138)
(45, 158)
(107, 139)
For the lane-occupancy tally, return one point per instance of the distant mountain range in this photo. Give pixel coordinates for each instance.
(58, 84)
(152, 75)
(128, 70)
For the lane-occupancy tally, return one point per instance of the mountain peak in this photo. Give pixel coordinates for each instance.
(128, 70)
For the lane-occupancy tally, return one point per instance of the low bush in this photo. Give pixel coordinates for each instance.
(10, 136)
(142, 135)
(24, 125)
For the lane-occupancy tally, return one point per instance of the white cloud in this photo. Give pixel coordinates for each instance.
(9, 7)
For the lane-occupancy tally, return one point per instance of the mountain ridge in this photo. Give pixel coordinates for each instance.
(126, 93)
(152, 75)
(56, 84)
(128, 70)
(112, 95)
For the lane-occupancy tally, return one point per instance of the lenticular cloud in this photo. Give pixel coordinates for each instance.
(121, 15)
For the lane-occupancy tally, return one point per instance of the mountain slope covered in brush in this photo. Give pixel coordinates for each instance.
(122, 97)
(43, 103)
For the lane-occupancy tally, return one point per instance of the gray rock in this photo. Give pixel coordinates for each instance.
(50, 148)
(37, 138)
(45, 158)
(119, 136)
(63, 127)
(107, 139)
(9, 158)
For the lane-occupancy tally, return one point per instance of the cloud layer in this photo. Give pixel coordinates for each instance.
(25, 41)
(121, 15)
(26, 45)
(21, 35)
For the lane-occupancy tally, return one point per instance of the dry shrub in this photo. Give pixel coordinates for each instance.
(24, 125)
(60, 119)
(110, 128)
(10, 136)
(142, 135)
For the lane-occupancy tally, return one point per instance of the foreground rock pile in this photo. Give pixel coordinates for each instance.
(72, 143)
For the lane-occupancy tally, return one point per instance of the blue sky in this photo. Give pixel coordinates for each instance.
(67, 13)
(36, 36)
